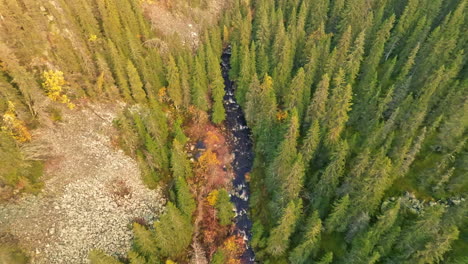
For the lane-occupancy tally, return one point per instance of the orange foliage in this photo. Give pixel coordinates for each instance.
(162, 94)
(14, 126)
(212, 197)
(207, 160)
(233, 248)
(211, 138)
(281, 115)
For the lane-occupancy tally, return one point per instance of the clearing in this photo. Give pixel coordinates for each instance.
(92, 192)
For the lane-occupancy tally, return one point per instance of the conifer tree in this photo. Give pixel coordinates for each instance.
(279, 239)
(296, 96)
(326, 259)
(310, 241)
(199, 85)
(330, 178)
(168, 242)
(136, 86)
(283, 163)
(119, 71)
(185, 200)
(317, 108)
(99, 257)
(334, 221)
(355, 57)
(174, 88)
(184, 80)
(218, 114)
(180, 165)
(337, 108)
(224, 208)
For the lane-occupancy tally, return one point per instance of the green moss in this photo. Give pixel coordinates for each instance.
(12, 254)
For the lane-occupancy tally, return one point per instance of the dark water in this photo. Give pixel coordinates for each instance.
(241, 144)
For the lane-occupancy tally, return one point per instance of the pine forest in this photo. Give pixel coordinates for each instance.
(235, 131)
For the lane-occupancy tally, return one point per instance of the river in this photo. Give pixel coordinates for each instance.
(241, 145)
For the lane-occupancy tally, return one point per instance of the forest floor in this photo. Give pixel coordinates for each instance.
(92, 192)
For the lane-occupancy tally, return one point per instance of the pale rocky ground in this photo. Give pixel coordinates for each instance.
(79, 208)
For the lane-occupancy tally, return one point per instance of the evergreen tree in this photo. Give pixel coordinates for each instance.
(185, 200)
(184, 80)
(174, 88)
(317, 107)
(326, 259)
(180, 165)
(173, 232)
(310, 241)
(282, 166)
(296, 98)
(279, 239)
(330, 178)
(334, 221)
(219, 114)
(199, 85)
(310, 142)
(144, 240)
(99, 257)
(224, 208)
(337, 108)
(136, 86)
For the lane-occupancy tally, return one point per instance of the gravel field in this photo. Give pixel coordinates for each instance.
(92, 193)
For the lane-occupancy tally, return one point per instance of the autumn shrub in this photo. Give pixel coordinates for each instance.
(53, 84)
(13, 125)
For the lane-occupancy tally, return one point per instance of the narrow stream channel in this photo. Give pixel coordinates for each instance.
(241, 143)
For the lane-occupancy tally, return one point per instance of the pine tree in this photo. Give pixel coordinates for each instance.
(184, 80)
(317, 108)
(173, 232)
(99, 257)
(260, 112)
(355, 56)
(244, 75)
(185, 200)
(310, 242)
(337, 108)
(296, 97)
(180, 165)
(435, 249)
(310, 143)
(219, 114)
(199, 85)
(279, 239)
(330, 179)
(136, 86)
(365, 245)
(119, 71)
(334, 221)
(224, 208)
(144, 240)
(174, 88)
(283, 165)
(326, 259)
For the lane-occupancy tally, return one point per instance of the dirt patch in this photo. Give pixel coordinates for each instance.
(169, 18)
(92, 192)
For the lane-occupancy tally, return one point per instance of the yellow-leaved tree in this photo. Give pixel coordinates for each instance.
(53, 84)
